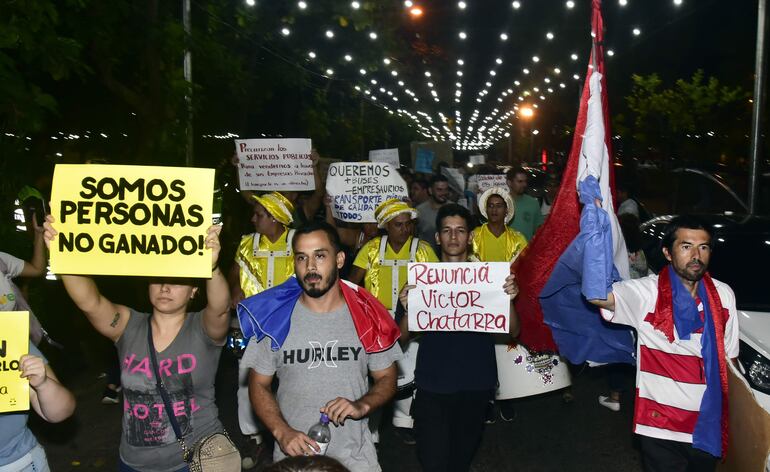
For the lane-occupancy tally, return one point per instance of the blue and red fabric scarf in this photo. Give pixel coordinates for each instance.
(676, 308)
(269, 314)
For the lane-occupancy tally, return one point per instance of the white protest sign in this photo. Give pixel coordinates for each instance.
(477, 159)
(389, 156)
(459, 296)
(487, 181)
(275, 164)
(356, 188)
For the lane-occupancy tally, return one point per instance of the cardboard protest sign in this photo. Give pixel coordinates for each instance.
(131, 220)
(389, 156)
(357, 188)
(487, 181)
(275, 164)
(749, 439)
(14, 343)
(459, 296)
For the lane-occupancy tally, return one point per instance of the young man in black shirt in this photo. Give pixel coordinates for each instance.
(456, 373)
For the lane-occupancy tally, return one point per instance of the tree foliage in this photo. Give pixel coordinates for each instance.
(695, 119)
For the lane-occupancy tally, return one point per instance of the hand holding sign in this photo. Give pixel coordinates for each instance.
(33, 369)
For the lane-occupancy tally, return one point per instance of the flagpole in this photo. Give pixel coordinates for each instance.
(758, 108)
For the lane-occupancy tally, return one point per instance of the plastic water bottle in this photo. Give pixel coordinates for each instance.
(321, 433)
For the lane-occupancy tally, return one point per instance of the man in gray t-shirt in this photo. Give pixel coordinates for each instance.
(321, 365)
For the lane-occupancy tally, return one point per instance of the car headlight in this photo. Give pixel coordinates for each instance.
(757, 368)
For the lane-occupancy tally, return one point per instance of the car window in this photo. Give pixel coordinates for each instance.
(695, 193)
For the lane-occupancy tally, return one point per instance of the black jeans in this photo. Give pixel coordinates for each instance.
(662, 455)
(448, 428)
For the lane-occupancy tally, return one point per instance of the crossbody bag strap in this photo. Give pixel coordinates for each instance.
(164, 394)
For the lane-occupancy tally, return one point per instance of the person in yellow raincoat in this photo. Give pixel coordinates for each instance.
(381, 265)
(494, 241)
(263, 260)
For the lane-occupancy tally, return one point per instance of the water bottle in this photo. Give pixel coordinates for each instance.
(321, 433)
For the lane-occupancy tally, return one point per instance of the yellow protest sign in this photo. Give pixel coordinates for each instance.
(14, 343)
(131, 220)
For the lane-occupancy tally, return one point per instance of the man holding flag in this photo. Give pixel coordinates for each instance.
(687, 326)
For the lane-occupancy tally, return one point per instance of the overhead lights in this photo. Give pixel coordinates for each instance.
(408, 3)
(535, 59)
(459, 73)
(285, 31)
(460, 62)
(574, 57)
(355, 5)
(516, 5)
(348, 57)
(329, 71)
(372, 35)
(622, 3)
(416, 12)
(526, 71)
(461, 5)
(462, 35)
(677, 2)
(394, 73)
(636, 31)
(556, 70)
(610, 52)
(498, 61)
(576, 77)
(329, 34)
(362, 71)
(492, 73)
(311, 55)
(427, 73)
(251, 3)
(549, 35)
(386, 61)
(302, 5)
(503, 37)
(570, 4)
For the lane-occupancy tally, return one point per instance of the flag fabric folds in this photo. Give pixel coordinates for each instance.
(575, 256)
(268, 314)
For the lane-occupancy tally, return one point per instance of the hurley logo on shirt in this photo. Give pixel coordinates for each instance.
(317, 354)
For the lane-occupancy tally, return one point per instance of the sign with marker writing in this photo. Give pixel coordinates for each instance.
(275, 164)
(357, 188)
(389, 156)
(487, 181)
(131, 220)
(14, 343)
(459, 296)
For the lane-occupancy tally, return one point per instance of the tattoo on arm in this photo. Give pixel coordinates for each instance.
(115, 320)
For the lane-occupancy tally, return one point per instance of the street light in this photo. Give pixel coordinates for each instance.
(526, 112)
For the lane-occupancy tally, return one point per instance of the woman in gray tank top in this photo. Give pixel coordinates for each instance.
(187, 347)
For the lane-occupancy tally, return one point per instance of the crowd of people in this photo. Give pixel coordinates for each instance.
(323, 307)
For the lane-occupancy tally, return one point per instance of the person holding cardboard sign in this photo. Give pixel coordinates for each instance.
(19, 450)
(185, 355)
(381, 265)
(456, 372)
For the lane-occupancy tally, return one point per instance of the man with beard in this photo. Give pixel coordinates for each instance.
(427, 210)
(687, 327)
(322, 337)
(456, 372)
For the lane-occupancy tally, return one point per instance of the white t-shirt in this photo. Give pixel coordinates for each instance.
(13, 267)
(670, 379)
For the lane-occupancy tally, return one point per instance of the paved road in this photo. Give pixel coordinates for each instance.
(547, 435)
